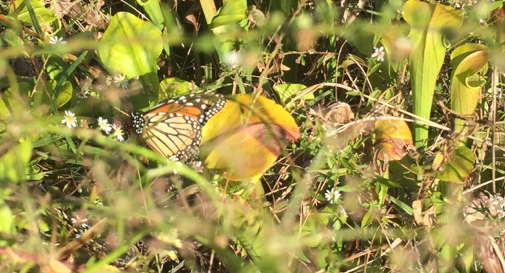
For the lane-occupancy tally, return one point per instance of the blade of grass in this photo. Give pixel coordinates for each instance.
(98, 266)
(35, 22)
(66, 74)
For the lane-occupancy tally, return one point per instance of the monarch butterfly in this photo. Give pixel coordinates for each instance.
(173, 128)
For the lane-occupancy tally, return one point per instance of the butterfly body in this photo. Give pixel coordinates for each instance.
(173, 128)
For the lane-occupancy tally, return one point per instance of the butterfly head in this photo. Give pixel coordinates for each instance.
(138, 122)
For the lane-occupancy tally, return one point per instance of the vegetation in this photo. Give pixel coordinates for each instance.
(357, 136)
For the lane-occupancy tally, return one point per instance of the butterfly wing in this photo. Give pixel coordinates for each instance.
(173, 128)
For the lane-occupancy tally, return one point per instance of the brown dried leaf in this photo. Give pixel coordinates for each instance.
(191, 18)
(65, 7)
(423, 218)
(343, 135)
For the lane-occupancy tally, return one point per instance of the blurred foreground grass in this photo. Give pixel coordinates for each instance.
(353, 194)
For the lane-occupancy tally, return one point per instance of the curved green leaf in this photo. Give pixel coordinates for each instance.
(65, 94)
(43, 14)
(469, 63)
(130, 45)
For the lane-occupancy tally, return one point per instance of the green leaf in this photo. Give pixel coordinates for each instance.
(12, 38)
(54, 68)
(43, 14)
(209, 9)
(6, 219)
(65, 94)
(288, 90)
(405, 207)
(426, 23)
(14, 163)
(153, 9)
(469, 64)
(459, 166)
(9, 99)
(173, 87)
(231, 16)
(130, 45)
(4, 110)
(232, 12)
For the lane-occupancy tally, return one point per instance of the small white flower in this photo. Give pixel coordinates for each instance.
(120, 81)
(232, 58)
(118, 132)
(69, 119)
(104, 125)
(56, 40)
(332, 195)
(378, 53)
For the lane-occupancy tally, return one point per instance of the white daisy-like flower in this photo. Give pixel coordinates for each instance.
(104, 125)
(120, 81)
(332, 195)
(69, 119)
(378, 53)
(56, 40)
(118, 132)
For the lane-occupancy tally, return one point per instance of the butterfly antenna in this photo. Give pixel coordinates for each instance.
(121, 111)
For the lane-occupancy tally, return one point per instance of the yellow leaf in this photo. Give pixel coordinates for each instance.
(393, 137)
(246, 136)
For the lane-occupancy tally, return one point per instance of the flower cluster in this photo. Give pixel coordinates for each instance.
(56, 40)
(378, 53)
(120, 81)
(70, 120)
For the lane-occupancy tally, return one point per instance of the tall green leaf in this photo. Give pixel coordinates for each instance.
(426, 23)
(209, 9)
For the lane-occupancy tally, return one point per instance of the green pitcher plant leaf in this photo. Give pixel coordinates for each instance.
(130, 45)
(469, 64)
(426, 23)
